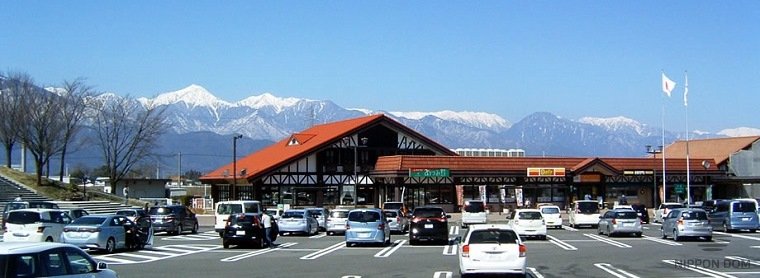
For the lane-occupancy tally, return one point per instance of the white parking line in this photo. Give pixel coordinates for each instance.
(615, 271)
(169, 251)
(325, 251)
(318, 236)
(454, 230)
(256, 253)
(442, 274)
(535, 272)
(561, 244)
(663, 241)
(735, 235)
(569, 228)
(387, 251)
(450, 250)
(698, 269)
(608, 241)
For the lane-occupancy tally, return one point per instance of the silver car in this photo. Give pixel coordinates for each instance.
(336, 222)
(108, 232)
(321, 215)
(396, 221)
(620, 221)
(298, 221)
(686, 222)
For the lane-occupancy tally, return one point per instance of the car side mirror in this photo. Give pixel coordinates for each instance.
(448, 216)
(600, 217)
(102, 266)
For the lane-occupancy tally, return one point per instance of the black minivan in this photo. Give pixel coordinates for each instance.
(429, 224)
(173, 219)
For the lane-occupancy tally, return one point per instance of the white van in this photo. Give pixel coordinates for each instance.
(474, 212)
(584, 213)
(35, 225)
(225, 208)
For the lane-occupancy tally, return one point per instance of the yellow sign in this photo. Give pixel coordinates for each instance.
(546, 172)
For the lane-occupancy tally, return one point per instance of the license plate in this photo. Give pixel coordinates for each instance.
(746, 219)
(428, 226)
(364, 235)
(628, 224)
(20, 234)
(494, 257)
(240, 233)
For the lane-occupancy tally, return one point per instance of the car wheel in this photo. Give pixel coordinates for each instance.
(49, 239)
(638, 234)
(259, 244)
(179, 230)
(609, 233)
(195, 228)
(675, 235)
(662, 231)
(330, 233)
(725, 228)
(221, 234)
(110, 245)
(225, 244)
(412, 242)
(348, 244)
(599, 231)
(752, 231)
(708, 238)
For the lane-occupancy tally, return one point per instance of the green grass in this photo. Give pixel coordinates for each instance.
(59, 191)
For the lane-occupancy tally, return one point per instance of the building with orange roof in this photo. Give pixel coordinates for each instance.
(369, 160)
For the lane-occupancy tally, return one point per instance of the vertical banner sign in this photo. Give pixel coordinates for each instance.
(483, 196)
(503, 195)
(519, 197)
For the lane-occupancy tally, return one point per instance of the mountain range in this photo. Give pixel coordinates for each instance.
(202, 126)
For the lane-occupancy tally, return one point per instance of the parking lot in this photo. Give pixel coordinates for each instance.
(567, 252)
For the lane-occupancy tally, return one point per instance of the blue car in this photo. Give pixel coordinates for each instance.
(367, 226)
(734, 215)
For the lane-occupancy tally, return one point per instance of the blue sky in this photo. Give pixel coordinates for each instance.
(511, 58)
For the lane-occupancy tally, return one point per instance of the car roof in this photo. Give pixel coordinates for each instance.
(36, 210)
(524, 210)
(29, 247)
(548, 206)
(474, 227)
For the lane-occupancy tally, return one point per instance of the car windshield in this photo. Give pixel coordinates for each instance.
(492, 236)
(229, 208)
(90, 220)
(392, 205)
(626, 215)
(588, 207)
(23, 217)
(292, 214)
(126, 212)
(315, 213)
(672, 206)
(694, 215)
(744, 207)
(550, 210)
(339, 214)
(15, 206)
(390, 214)
(251, 207)
(530, 215)
(474, 206)
(363, 216)
(429, 213)
(242, 219)
(161, 211)
(44, 205)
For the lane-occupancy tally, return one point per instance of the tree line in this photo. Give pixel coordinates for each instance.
(46, 122)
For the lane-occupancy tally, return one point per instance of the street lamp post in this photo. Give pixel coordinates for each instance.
(234, 166)
(654, 152)
(356, 174)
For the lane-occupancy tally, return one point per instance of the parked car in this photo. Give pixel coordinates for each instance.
(367, 225)
(492, 249)
(35, 225)
(109, 232)
(528, 223)
(620, 221)
(76, 213)
(552, 216)
(225, 208)
(49, 260)
(336, 222)
(397, 205)
(664, 209)
(734, 215)
(321, 215)
(298, 221)
(474, 212)
(246, 229)
(429, 224)
(26, 204)
(132, 213)
(709, 205)
(642, 212)
(396, 221)
(173, 219)
(686, 222)
(275, 213)
(584, 212)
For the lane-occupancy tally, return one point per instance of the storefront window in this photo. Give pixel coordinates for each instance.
(270, 195)
(347, 195)
(365, 195)
(470, 192)
(330, 194)
(439, 194)
(544, 194)
(558, 193)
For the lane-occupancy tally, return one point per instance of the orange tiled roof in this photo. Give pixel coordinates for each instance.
(301, 144)
(718, 149)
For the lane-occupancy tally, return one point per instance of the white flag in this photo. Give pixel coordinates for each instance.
(686, 90)
(667, 84)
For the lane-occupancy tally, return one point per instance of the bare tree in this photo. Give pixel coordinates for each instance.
(41, 128)
(127, 133)
(73, 106)
(12, 86)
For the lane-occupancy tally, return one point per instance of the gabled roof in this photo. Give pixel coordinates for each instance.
(300, 144)
(718, 149)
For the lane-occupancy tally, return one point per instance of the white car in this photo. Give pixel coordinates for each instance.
(46, 259)
(490, 249)
(35, 225)
(528, 223)
(552, 216)
(664, 209)
(584, 212)
(474, 212)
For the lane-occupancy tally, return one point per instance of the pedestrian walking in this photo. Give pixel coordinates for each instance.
(587, 197)
(17, 199)
(266, 221)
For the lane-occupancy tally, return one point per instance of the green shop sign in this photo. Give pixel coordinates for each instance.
(429, 173)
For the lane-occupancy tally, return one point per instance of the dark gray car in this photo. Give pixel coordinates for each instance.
(173, 219)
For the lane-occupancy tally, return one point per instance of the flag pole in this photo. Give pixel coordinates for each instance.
(688, 174)
(664, 187)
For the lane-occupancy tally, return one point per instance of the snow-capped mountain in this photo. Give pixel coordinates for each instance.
(740, 131)
(619, 123)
